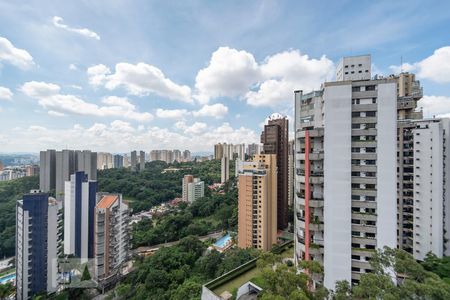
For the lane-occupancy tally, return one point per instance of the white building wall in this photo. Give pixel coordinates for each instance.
(387, 165)
(446, 168)
(69, 217)
(337, 184)
(52, 254)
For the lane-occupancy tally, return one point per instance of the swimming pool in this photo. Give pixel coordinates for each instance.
(223, 241)
(6, 279)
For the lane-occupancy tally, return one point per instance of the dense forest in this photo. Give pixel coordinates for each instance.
(215, 211)
(10, 192)
(153, 186)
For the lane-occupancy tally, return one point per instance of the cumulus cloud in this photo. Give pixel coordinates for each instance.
(5, 93)
(171, 113)
(217, 111)
(140, 79)
(15, 56)
(230, 73)
(438, 106)
(233, 73)
(435, 67)
(56, 113)
(58, 22)
(49, 97)
(196, 128)
(120, 136)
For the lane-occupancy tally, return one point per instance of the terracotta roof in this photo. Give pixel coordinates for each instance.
(107, 201)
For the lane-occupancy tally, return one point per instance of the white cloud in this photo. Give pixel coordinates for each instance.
(230, 73)
(217, 111)
(56, 113)
(49, 97)
(120, 136)
(5, 93)
(196, 128)
(288, 71)
(435, 67)
(140, 79)
(171, 113)
(15, 56)
(233, 73)
(73, 67)
(58, 22)
(438, 106)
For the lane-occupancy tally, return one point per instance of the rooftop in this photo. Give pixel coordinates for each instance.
(107, 201)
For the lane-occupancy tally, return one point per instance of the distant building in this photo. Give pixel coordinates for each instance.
(196, 190)
(177, 155)
(187, 155)
(186, 180)
(133, 163)
(218, 151)
(57, 166)
(118, 161)
(225, 169)
(126, 161)
(275, 140)
(79, 203)
(141, 160)
(2, 166)
(37, 217)
(47, 172)
(104, 161)
(111, 236)
(253, 149)
(32, 170)
(257, 204)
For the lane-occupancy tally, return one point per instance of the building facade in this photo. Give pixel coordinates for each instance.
(141, 160)
(195, 190)
(257, 204)
(224, 169)
(79, 203)
(36, 245)
(345, 181)
(111, 236)
(275, 140)
(118, 161)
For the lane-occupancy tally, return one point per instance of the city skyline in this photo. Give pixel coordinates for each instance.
(67, 81)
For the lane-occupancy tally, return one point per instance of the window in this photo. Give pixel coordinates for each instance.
(356, 150)
(374, 100)
(370, 198)
(353, 66)
(370, 87)
(346, 73)
(371, 113)
(359, 71)
(353, 72)
(346, 67)
(356, 114)
(356, 88)
(367, 71)
(359, 65)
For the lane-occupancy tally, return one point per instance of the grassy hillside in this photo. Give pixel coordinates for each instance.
(10, 191)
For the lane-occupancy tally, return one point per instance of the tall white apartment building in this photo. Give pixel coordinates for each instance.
(79, 203)
(37, 238)
(141, 160)
(345, 181)
(111, 236)
(195, 190)
(431, 214)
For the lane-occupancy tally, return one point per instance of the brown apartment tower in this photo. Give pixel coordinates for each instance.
(275, 140)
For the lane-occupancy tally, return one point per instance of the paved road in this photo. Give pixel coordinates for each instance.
(215, 235)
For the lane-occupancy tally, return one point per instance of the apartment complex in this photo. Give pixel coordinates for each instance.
(345, 181)
(170, 156)
(141, 160)
(275, 139)
(257, 208)
(79, 203)
(224, 169)
(134, 162)
(57, 166)
(37, 217)
(118, 161)
(104, 160)
(193, 188)
(253, 149)
(229, 150)
(111, 236)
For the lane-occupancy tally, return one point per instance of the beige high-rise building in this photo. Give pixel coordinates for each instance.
(186, 180)
(257, 211)
(224, 169)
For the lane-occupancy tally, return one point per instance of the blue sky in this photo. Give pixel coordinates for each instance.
(121, 75)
